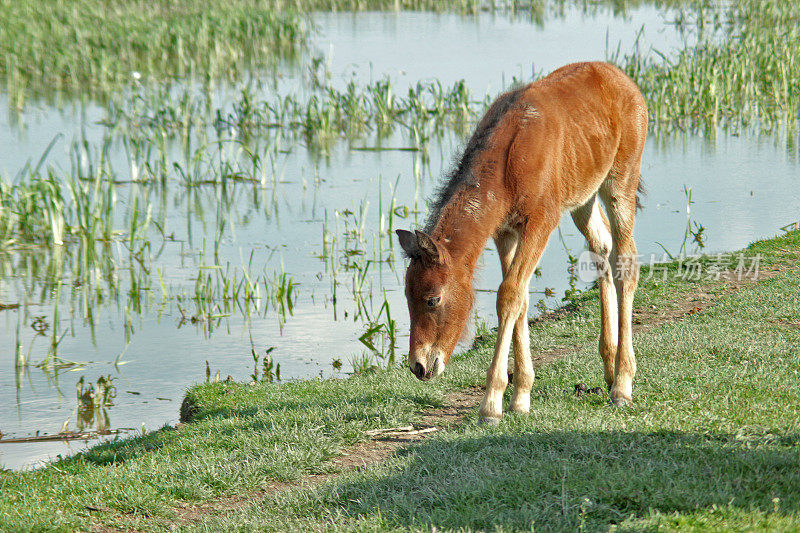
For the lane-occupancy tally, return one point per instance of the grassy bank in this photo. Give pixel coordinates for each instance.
(711, 443)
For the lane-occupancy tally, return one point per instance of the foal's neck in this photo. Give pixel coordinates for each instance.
(467, 222)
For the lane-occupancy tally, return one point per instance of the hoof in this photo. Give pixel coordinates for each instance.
(489, 420)
(520, 404)
(621, 402)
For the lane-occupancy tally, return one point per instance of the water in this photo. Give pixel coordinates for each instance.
(486, 51)
(318, 221)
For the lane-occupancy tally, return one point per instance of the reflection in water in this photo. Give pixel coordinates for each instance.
(93, 401)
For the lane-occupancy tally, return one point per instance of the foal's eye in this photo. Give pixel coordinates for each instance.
(434, 301)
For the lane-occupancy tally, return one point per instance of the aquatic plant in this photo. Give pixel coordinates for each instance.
(81, 46)
(326, 114)
(745, 75)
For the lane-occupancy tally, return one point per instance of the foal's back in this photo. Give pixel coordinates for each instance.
(572, 130)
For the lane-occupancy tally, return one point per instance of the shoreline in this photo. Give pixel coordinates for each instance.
(245, 438)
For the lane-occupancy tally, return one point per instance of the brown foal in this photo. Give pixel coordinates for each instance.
(565, 142)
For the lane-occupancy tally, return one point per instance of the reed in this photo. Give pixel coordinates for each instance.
(744, 73)
(356, 113)
(86, 46)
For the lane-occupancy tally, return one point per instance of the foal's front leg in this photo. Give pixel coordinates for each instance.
(512, 315)
(491, 409)
(507, 242)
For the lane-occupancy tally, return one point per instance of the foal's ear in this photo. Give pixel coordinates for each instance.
(408, 242)
(429, 250)
(418, 245)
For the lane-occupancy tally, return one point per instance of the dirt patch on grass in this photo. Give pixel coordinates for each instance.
(697, 299)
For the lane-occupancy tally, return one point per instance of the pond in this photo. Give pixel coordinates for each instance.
(292, 258)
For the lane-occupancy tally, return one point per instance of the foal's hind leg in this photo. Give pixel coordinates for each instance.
(593, 224)
(507, 242)
(620, 199)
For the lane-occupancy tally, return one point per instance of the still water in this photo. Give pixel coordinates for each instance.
(322, 223)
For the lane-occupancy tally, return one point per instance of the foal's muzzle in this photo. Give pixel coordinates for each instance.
(428, 365)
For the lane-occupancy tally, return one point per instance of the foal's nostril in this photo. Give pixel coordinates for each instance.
(418, 370)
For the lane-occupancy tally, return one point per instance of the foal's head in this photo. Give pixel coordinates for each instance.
(439, 296)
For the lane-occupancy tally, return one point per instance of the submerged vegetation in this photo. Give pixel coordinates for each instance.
(319, 115)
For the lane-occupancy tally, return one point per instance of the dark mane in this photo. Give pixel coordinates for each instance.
(462, 175)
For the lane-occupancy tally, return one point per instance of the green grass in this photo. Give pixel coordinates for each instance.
(711, 442)
(259, 433)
